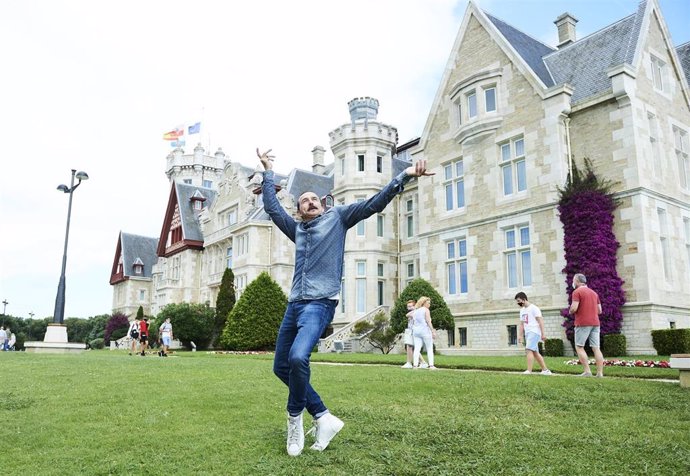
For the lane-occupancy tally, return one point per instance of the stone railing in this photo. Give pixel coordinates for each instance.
(346, 332)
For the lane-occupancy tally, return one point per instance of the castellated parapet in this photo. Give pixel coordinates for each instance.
(198, 167)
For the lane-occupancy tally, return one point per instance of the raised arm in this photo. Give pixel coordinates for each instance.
(275, 210)
(356, 212)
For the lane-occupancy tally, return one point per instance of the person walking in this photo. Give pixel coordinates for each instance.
(3, 337)
(133, 333)
(166, 334)
(319, 250)
(143, 335)
(586, 307)
(408, 338)
(423, 332)
(532, 326)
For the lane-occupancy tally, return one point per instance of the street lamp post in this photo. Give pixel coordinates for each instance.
(4, 306)
(59, 315)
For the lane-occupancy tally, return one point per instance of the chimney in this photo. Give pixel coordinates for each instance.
(566, 29)
(318, 164)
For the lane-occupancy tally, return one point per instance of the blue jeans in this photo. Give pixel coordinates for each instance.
(303, 324)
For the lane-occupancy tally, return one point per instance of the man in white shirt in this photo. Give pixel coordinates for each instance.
(166, 333)
(532, 325)
(3, 338)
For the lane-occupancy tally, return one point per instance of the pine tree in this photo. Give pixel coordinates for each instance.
(224, 303)
(140, 312)
(254, 321)
(441, 317)
(586, 207)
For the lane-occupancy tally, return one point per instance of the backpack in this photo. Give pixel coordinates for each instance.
(134, 331)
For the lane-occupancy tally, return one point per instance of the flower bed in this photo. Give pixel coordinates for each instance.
(664, 364)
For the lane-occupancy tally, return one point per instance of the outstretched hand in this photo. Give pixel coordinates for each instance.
(418, 169)
(265, 158)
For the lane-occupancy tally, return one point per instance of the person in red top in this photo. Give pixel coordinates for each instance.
(144, 335)
(586, 307)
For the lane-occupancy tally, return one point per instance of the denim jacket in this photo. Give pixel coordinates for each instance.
(320, 242)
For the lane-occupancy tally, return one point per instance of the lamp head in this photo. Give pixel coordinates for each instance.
(81, 175)
(63, 188)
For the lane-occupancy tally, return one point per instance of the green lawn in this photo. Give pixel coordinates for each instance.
(105, 412)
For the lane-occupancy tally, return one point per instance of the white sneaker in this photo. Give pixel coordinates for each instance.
(295, 435)
(325, 429)
(527, 372)
(407, 365)
(546, 372)
(424, 365)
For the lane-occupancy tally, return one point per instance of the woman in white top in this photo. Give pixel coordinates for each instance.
(423, 332)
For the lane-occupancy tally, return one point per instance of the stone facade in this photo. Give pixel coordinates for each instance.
(500, 136)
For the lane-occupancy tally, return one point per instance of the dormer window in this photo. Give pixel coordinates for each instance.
(197, 201)
(658, 73)
(138, 266)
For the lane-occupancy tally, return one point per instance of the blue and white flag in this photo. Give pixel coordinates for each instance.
(194, 129)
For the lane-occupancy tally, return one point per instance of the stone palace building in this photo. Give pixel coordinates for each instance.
(508, 115)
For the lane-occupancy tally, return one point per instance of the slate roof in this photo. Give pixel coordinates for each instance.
(531, 50)
(137, 247)
(188, 216)
(684, 56)
(584, 63)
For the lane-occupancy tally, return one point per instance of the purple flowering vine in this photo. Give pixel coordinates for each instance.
(586, 208)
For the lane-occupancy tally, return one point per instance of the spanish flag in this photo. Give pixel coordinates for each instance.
(173, 135)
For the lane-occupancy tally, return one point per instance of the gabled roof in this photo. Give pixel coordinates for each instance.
(683, 52)
(134, 249)
(180, 198)
(585, 63)
(531, 50)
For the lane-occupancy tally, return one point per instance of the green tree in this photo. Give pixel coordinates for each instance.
(140, 312)
(224, 303)
(98, 324)
(191, 323)
(441, 317)
(78, 329)
(254, 321)
(379, 332)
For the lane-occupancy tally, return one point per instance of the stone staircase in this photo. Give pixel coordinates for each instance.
(344, 339)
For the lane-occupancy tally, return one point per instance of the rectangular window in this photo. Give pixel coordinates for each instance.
(342, 295)
(451, 338)
(409, 218)
(361, 285)
(379, 225)
(242, 244)
(680, 138)
(228, 257)
(379, 270)
(454, 183)
(658, 73)
(513, 168)
(456, 266)
(232, 217)
(490, 99)
(472, 105)
(462, 334)
(664, 241)
(342, 166)
(379, 164)
(380, 287)
(410, 272)
(361, 225)
(360, 163)
(518, 256)
(512, 335)
(654, 144)
(142, 295)
(459, 105)
(187, 181)
(175, 267)
(207, 184)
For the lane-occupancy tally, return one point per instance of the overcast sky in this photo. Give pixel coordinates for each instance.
(93, 85)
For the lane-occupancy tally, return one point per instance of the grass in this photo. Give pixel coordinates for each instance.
(104, 412)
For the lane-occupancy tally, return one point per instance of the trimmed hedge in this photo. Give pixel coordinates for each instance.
(97, 343)
(671, 341)
(613, 345)
(551, 348)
